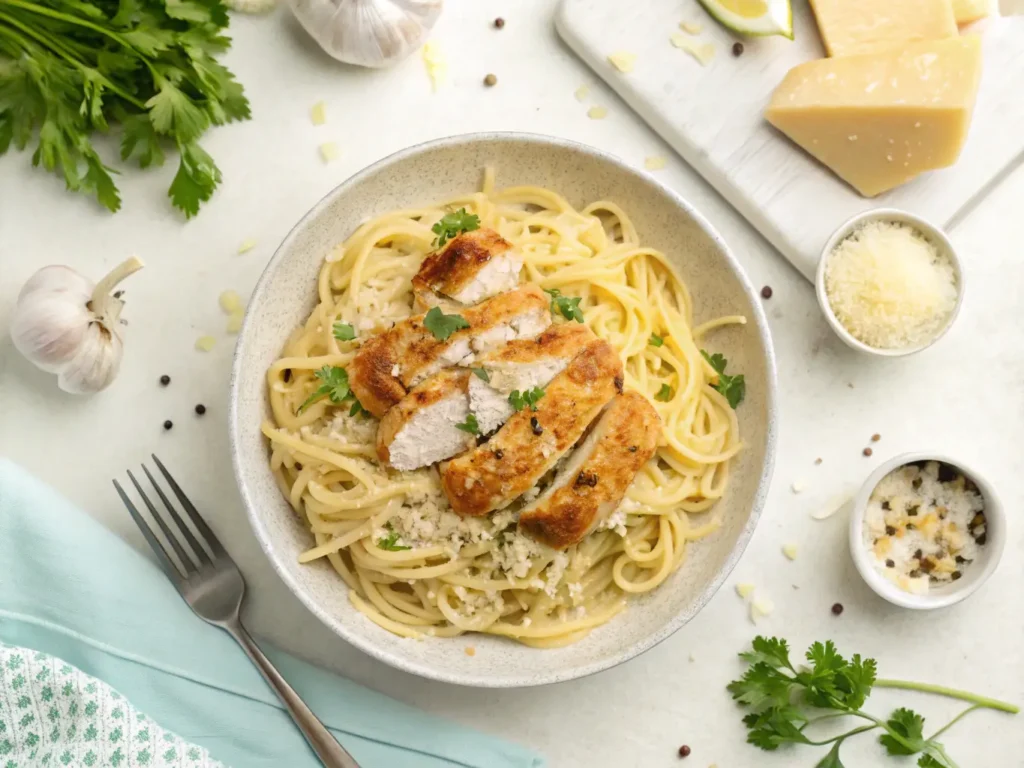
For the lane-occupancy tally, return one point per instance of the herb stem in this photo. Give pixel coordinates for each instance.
(953, 722)
(843, 736)
(941, 690)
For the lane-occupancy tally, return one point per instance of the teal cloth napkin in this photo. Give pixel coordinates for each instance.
(72, 589)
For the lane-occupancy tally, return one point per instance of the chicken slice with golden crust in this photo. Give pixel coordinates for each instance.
(493, 475)
(595, 478)
(472, 267)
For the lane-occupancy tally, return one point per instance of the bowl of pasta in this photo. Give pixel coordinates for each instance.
(503, 410)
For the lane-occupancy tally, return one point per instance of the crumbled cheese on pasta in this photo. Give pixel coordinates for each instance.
(554, 573)
(575, 591)
(514, 554)
(889, 286)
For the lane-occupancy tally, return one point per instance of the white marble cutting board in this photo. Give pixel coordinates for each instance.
(712, 116)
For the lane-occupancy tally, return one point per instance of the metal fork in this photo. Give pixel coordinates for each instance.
(210, 582)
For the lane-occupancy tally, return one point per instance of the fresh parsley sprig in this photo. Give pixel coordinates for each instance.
(786, 701)
(453, 224)
(481, 373)
(656, 340)
(70, 69)
(335, 387)
(390, 542)
(526, 399)
(344, 331)
(441, 325)
(664, 394)
(732, 388)
(470, 425)
(566, 306)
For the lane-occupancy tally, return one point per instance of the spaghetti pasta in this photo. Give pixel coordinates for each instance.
(411, 565)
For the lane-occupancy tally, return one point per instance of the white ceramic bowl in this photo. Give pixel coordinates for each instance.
(934, 234)
(286, 294)
(955, 591)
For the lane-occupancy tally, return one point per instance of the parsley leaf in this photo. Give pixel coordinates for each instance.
(454, 224)
(390, 542)
(481, 373)
(335, 386)
(344, 332)
(566, 306)
(664, 394)
(356, 408)
(732, 388)
(656, 340)
(785, 700)
(525, 399)
(442, 325)
(469, 425)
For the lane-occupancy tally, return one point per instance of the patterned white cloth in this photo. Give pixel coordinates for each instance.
(53, 714)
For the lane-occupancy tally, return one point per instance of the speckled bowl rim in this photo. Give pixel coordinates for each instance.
(954, 592)
(528, 678)
(934, 233)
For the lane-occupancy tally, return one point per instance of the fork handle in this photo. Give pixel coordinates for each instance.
(327, 748)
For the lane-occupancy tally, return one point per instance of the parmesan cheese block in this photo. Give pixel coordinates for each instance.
(879, 120)
(851, 27)
(969, 11)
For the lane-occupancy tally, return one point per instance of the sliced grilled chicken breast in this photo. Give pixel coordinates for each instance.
(521, 366)
(591, 484)
(472, 267)
(389, 364)
(421, 429)
(493, 475)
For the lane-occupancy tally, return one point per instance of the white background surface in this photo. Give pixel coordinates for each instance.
(963, 397)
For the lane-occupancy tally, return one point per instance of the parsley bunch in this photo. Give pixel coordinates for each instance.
(72, 68)
(566, 306)
(733, 388)
(526, 399)
(787, 701)
(453, 224)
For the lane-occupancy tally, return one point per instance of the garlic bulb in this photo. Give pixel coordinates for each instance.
(370, 33)
(65, 324)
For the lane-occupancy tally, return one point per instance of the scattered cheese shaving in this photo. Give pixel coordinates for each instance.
(246, 246)
(798, 486)
(205, 343)
(789, 550)
(235, 322)
(329, 151)
(318, 113)
(744, 590)
(230, 302)
(760, 608)
(597, 113)
(437, 65)
(470, 650)
(623, 60)
(655, 163)
(582, 92)
(703, 52)
(833, 506)
(691, 27)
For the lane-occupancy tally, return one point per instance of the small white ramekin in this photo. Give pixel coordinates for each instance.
(973, 576)
(934, 234)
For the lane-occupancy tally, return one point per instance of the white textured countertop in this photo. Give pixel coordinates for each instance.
(963, 397)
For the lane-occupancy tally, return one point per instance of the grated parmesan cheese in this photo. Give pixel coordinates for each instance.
(582, 93)
(318, 113)
(702, 52)
(597, 113)
(623, 61)
(744, 590)
(790, 551)
(655, 163)
(205, 343)
(889, 286)
(328, 151)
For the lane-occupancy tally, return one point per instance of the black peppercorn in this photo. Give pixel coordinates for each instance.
(868, 451)
(535, 425)
(165, 380)
(737, 49)
(200, 409)
(890, 564)
(499, 454)
(766, 292)
(491, 80)
(956, 575)
(890, 531)
(499, 23)
(684, 751)
(837, 608)
(632, 449)
(168, 424)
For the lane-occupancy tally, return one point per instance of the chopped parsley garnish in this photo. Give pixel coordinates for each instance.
(335, 386)
(566, 306)
(442, 325)
(356, 408)
(732, 388)
(786, 700)
(344, 332)
(656, 340)
(664, 394)
(526, 398)
(481, 373)
(454, 224)
(469, 425)
(390, 542)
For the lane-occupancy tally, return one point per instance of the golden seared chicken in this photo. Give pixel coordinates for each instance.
(493, 475)
(472, 267)
(591, 484)
(520, 366)
(423, 428)
(388, 364)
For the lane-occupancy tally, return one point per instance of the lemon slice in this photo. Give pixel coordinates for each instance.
(753, 17)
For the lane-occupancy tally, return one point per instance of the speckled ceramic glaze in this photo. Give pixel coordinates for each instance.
(286, 294)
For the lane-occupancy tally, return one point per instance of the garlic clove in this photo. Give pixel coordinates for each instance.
(96, 363)
(369, 33)
(58, 278)
(48, 329)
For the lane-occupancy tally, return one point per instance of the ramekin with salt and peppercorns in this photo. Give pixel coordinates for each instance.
(926, 531)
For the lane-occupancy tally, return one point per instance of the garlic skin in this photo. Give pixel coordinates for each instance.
(65, 324)
(369, 33)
